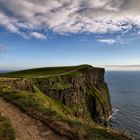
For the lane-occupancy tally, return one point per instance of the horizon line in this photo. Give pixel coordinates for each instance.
(134, 67)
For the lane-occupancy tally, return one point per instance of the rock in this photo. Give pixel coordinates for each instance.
(84, 91)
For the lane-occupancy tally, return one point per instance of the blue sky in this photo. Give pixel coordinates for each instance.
(27, 42)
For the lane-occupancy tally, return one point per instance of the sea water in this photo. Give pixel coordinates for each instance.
(124, 90)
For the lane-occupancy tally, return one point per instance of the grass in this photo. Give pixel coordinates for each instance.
(6, 130)
(44, 72)
(47, 72)
(37, 102)
(39, 105)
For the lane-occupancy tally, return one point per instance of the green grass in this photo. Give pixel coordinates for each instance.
(6, 130)
(39, 105)
(45, 72)
(37, 102)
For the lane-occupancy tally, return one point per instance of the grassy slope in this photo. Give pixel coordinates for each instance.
(44, 72)
(6, 130)
(40, 105)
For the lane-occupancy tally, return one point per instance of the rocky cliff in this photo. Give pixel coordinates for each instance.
(83, 90)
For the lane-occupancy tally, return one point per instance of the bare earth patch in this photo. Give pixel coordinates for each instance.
(7, 78)
(26, 127)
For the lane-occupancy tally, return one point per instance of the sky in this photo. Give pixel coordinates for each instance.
(41, 33)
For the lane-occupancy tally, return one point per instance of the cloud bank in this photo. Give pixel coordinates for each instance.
(33, 18)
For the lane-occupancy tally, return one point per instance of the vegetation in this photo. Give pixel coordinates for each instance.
(39, 105)
(6, 130)
(44, 72)
(38, 102)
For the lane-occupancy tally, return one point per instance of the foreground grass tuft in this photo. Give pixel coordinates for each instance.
(6, 130)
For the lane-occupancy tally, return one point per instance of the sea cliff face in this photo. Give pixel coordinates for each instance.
(85, 93)
(83, 90)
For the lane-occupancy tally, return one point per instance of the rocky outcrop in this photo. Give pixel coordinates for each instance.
(16, 84)
(84, 91)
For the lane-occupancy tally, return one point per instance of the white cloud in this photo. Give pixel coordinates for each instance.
(7, 22)
(138, 32)
(38, 35)
(69, 16)
(107, 41)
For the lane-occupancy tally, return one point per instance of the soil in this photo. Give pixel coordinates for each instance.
(26, 127)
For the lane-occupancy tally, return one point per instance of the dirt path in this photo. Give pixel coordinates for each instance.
(26, 127)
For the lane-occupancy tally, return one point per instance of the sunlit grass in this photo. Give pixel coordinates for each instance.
(6, 130)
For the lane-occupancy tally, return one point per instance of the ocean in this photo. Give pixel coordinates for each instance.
(4, 71)
(124, 90)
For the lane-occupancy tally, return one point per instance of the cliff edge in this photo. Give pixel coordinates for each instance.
(83, 90)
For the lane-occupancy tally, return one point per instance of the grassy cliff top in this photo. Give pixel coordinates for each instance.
(46, 72)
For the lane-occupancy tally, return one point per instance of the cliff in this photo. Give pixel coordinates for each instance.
(85, 92)
(72, 101)
(81, 89)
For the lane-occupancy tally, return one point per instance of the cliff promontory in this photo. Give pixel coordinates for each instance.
(83, 90)
(77, 96)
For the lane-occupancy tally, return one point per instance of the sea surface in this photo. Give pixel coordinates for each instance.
(124, 90)
(4, 71)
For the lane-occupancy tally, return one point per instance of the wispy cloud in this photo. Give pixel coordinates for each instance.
(25, 17)
(107, 41)
(138, 32)
(38, 35)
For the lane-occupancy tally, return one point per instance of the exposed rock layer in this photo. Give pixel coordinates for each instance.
(84, 91)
